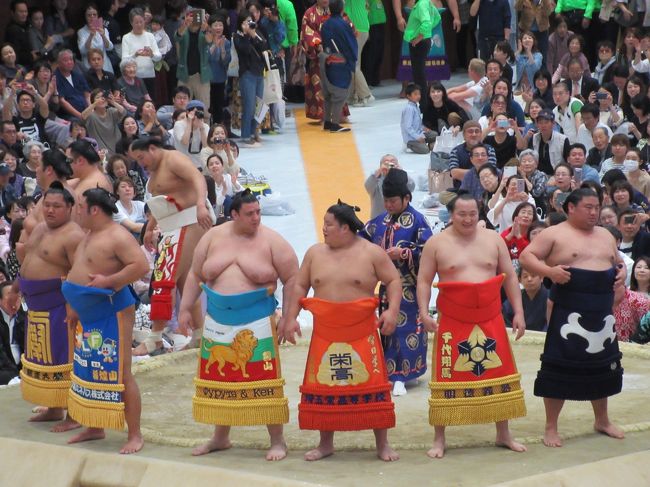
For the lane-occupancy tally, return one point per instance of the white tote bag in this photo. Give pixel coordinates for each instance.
(272, 82)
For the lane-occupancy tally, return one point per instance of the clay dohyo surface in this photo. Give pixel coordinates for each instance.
(167, 387)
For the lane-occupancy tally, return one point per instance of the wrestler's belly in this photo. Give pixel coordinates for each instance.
(231, 278)
(36, 268)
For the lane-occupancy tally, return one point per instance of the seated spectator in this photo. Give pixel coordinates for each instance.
(576, 160)
(181, 97)
(608, 216)
(471, 181)
(148, 123)
(468, 95)
(529, 60)
(552, 147)
(640, 276)
(33, 153)
(416, 136)
(641, 109)
(536, 228)
(7, 194)
(621, 193)
(45, 86)
(373, 183)
(558, 44)
(191, 134)
(74, 93)
(117, 168)
(218, 144)
(516, 236)
(8, 66)
(638, 178)
(562, 179)
(459, 162)
(29, 118)
(12, 329)
(10, 139)
(141, 46)
(225, 185)
(13, 265)
(511, 196)
(581, 84)
(15, 179)
(629, 308)
(39, 42)
(534, 178)
(13, 211)
(497, 106)
(133, 87)
(567, 110)
(513, 109)
(130, 212)
(576, 49)
(102, 118)
(506, 56)
(601, 149)
(614, 175)
(94, 35)
(543, 90)
(534, 298)
(438, 107)
(635, 242)
(634, 85)
(604, 70)
(17, 31)
(590, 114)
(130, 131)
(491, 183)
(96, 76)
(505, 145)
(610, 113)
(620, 145)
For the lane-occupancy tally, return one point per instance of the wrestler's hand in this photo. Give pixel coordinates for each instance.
(203, 217)
(148, 241)
(559, 274)
(518, 326)
(71, 317)
(394, 253)
(100, 281)
(429, 323)
(288, 329)
(387, 322)
(185, 319)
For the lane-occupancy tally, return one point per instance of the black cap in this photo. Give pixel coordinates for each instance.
(395, 184)
(546, 114)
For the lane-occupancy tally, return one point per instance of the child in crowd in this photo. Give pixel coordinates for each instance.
(534, 298)
(415, 135)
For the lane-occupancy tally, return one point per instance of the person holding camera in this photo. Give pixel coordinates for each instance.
(250, 46)
(94, 35)
(141, 46)
(218, 144)
(102, 119)
(191, 134)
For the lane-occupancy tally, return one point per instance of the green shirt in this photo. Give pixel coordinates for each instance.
(422, 19)
(376, 12)
(356, 10)
(287, 14)
(586, 5)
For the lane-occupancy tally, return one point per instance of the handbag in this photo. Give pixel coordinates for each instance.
(446, 141)
(272, 82)
(621, 20)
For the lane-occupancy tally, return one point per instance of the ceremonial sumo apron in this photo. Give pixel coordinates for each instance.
(239, 382)
(345, 386)
(581, 359)
(474, 379)
(47, 361)
(96, 398)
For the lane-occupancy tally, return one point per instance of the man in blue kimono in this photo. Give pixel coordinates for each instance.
(402, 232)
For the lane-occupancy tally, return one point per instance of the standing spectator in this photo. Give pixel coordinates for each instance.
(374, 184)
(191, 134)
(558, 44)
(421, 21)
(93, 34)
(360, 94)
(534, 17)
(107, 10)
(529, 60)
(250, 47)
(193, 68)
(337, 65)
(96, 77)
(172, 22)
(141, 46)
(164, 43)
(494, 19)
(74, 93)
(102, 118)
(287, 13)
(56, 24)
(577, 13)
(219, 60)
(17, 32)
(39, 42)
(373, 52)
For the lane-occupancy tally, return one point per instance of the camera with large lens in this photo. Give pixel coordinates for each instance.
(199, 113)
(252, 24)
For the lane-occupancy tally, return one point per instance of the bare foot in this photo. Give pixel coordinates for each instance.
(277, 452)
(438, 448)
(387, 454)
(133, 445)
(87, 435)
(192, 344)
(552, 438)
(610, 429)
(213, 445)
(140, 350)
(67, 424)
(48, 414)
(511, 444)
(319, 453)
